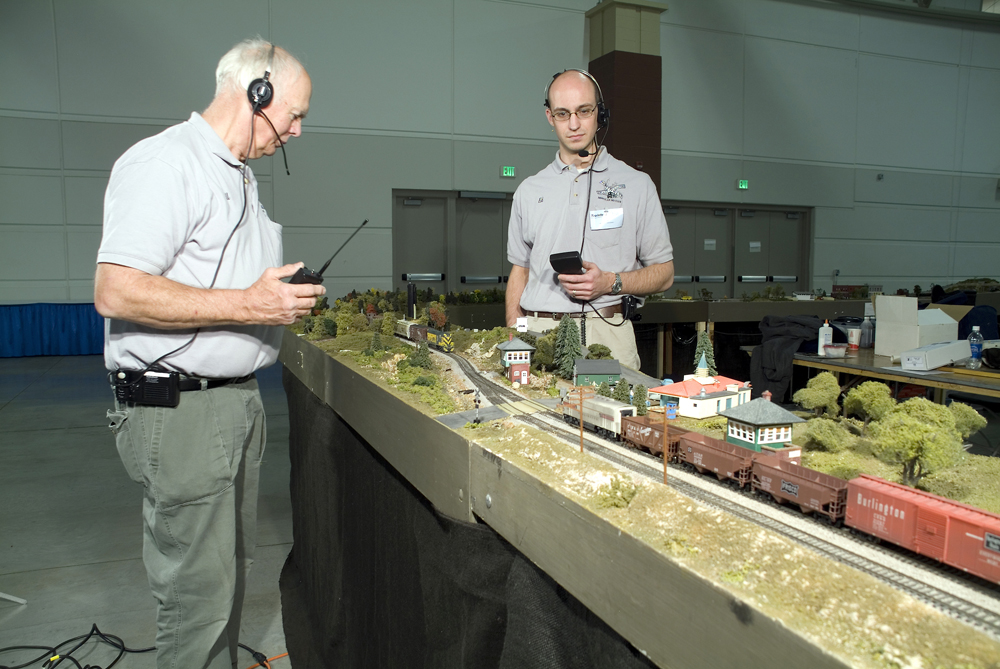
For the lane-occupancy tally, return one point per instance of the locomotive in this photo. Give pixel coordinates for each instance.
(955, 534)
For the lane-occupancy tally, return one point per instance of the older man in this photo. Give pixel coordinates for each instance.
(189, 279)
(585, 201)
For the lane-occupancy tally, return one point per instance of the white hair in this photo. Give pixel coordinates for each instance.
(248, 60)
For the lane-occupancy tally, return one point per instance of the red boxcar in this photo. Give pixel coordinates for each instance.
(646, 432)
(810, 490)
(727, 461)
(959, 535)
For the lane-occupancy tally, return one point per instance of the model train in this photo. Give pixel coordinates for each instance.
(955, 534)
(416, 332)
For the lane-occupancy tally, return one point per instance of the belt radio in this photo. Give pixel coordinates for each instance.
(160, 389)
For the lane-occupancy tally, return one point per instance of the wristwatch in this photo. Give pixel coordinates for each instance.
(616, 287)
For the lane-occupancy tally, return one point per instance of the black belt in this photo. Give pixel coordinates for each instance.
(607, 312)
(194, 383)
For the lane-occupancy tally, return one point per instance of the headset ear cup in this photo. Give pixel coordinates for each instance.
(603, 116)
(260, 92)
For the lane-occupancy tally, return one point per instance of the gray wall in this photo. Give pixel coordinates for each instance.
(807, 100)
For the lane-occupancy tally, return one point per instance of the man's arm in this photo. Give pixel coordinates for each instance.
(128, 294)
(516, 283)
(645, 281)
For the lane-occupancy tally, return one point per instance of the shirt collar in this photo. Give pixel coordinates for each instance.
(215, 143)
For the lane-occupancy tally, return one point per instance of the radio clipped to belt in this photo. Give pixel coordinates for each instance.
(160, 389)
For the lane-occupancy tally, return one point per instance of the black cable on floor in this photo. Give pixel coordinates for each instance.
(52, 657)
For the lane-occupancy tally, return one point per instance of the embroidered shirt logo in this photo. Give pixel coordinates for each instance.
(610, 192)
(540, 200)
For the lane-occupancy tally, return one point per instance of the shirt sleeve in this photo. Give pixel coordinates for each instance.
(146, 216)
(518, 249)
(654, 245)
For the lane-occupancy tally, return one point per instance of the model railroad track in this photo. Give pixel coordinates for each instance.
(650, 468)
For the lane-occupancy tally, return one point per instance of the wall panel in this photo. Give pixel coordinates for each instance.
(702, 90)
(96, 146)
(721, 15)
(879, 260)
(793, 184)
(31, 199)
(915, 38)
(809, 22)
(32, 253)
(905, 224)
(369, 254)
(905, 188)
(788, 114)
(699, 178)
(976, 225)
(83, 241)
(28, 51)
(85, 200)
(29, 143)
(477, 164)
(981, 146)
(906, 113)
(986, 48)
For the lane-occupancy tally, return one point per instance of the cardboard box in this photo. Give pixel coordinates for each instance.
(900, 327)
(933, 356)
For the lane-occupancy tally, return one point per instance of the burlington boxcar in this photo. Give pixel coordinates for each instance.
(958, 535)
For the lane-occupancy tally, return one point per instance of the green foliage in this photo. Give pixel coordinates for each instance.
(918, 435)
(329, 324)
(617, 493)
(826, 435)
(567, 348)
(527, 338)
(437, 315)
(713, 423)
(639, 397)
(389, 324)
(598, 352)
(705, 347)
(421, 356)
(621, 391)
(871, 400)
(425, 381)
(967, 420)
(604, 390)
(820, 395)
(544, 355)
(377, 346)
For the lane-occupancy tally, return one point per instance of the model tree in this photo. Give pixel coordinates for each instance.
(567, 348)
(827, 435)
(377, 346)
(389, 324)
(598, 352)
(705, 347)
(918, 435)
(437, 315)
(967, 420)
(639, 398)
(604, 390)
(421, 356)
(871, 400)
(544, 355)
(820, 395)
(622, 391)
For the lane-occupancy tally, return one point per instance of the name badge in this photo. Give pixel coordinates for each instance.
(606, 219)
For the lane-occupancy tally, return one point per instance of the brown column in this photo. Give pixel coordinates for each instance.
(625, 60)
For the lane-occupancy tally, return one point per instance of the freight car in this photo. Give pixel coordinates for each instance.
(958, 535)
(416, 332)
(646, 433)
(730, 463)
(789, 483)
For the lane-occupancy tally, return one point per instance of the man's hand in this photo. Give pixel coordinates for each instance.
(271, 301)
(588, 286)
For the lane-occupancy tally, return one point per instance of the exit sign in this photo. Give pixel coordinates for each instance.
(507, 171)
(744, 184)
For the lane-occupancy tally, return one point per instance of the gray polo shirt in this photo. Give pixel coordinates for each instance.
(172, 201)
(625, 227)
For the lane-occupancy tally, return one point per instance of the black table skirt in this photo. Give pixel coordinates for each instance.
(378, 578)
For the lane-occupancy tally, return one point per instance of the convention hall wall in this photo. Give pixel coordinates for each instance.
(809, 100)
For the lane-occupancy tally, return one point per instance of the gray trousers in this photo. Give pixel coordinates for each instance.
(198, 465)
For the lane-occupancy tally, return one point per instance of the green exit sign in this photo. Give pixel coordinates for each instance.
(507, 171)
(744, 184)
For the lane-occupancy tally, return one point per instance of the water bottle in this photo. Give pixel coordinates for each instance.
(976, 349)
(867, 333)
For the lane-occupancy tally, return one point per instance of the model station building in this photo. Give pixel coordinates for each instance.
(702, 396)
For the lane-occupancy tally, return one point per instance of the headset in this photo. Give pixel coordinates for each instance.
(260, 92)
(603, 113)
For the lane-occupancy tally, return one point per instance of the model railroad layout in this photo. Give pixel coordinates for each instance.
(874, 510)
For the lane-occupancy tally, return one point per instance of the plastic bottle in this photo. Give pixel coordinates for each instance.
(975, 348)
(867, 332)
(825, 338)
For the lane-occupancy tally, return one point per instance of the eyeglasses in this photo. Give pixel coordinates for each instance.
(564, 114)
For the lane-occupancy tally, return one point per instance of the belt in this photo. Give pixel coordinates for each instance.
(607, 312)
(195, 383)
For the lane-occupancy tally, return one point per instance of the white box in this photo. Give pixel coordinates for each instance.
(933, 356)
(900, 327)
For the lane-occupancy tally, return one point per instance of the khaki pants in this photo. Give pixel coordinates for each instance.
(199, 465)
(621, 340)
